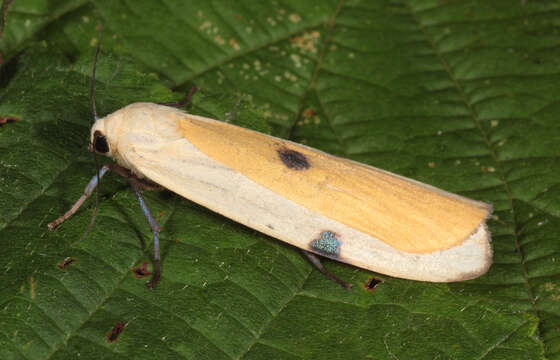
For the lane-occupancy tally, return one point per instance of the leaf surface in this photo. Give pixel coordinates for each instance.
(460, 95)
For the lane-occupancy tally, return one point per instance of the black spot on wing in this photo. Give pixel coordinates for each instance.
(293, 159)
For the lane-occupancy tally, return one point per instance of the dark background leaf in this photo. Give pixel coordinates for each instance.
(461, 95)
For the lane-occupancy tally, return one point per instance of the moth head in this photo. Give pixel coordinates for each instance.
(99, 141)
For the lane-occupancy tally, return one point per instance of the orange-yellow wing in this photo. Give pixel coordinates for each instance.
(407, 215)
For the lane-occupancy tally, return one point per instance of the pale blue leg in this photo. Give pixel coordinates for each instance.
(155, 229)
(87, 192)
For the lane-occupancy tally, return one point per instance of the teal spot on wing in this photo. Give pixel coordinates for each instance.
(326, 244)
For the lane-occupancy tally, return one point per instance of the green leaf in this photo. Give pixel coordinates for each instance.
(28, 18)
(461, 95)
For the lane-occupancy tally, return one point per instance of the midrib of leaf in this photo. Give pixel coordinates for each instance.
(499, 167)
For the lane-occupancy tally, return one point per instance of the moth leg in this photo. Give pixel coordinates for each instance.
(87, 192)
(134, 183)
(315, 261)
(149, 185)
(183, 102)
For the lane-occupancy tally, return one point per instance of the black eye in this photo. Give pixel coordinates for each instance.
(100, 143)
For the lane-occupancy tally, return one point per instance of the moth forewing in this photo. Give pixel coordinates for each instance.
(331, 206)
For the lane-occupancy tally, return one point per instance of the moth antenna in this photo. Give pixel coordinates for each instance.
(92, 84)
(95, 117)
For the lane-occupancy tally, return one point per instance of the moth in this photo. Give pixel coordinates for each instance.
(320, 203)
